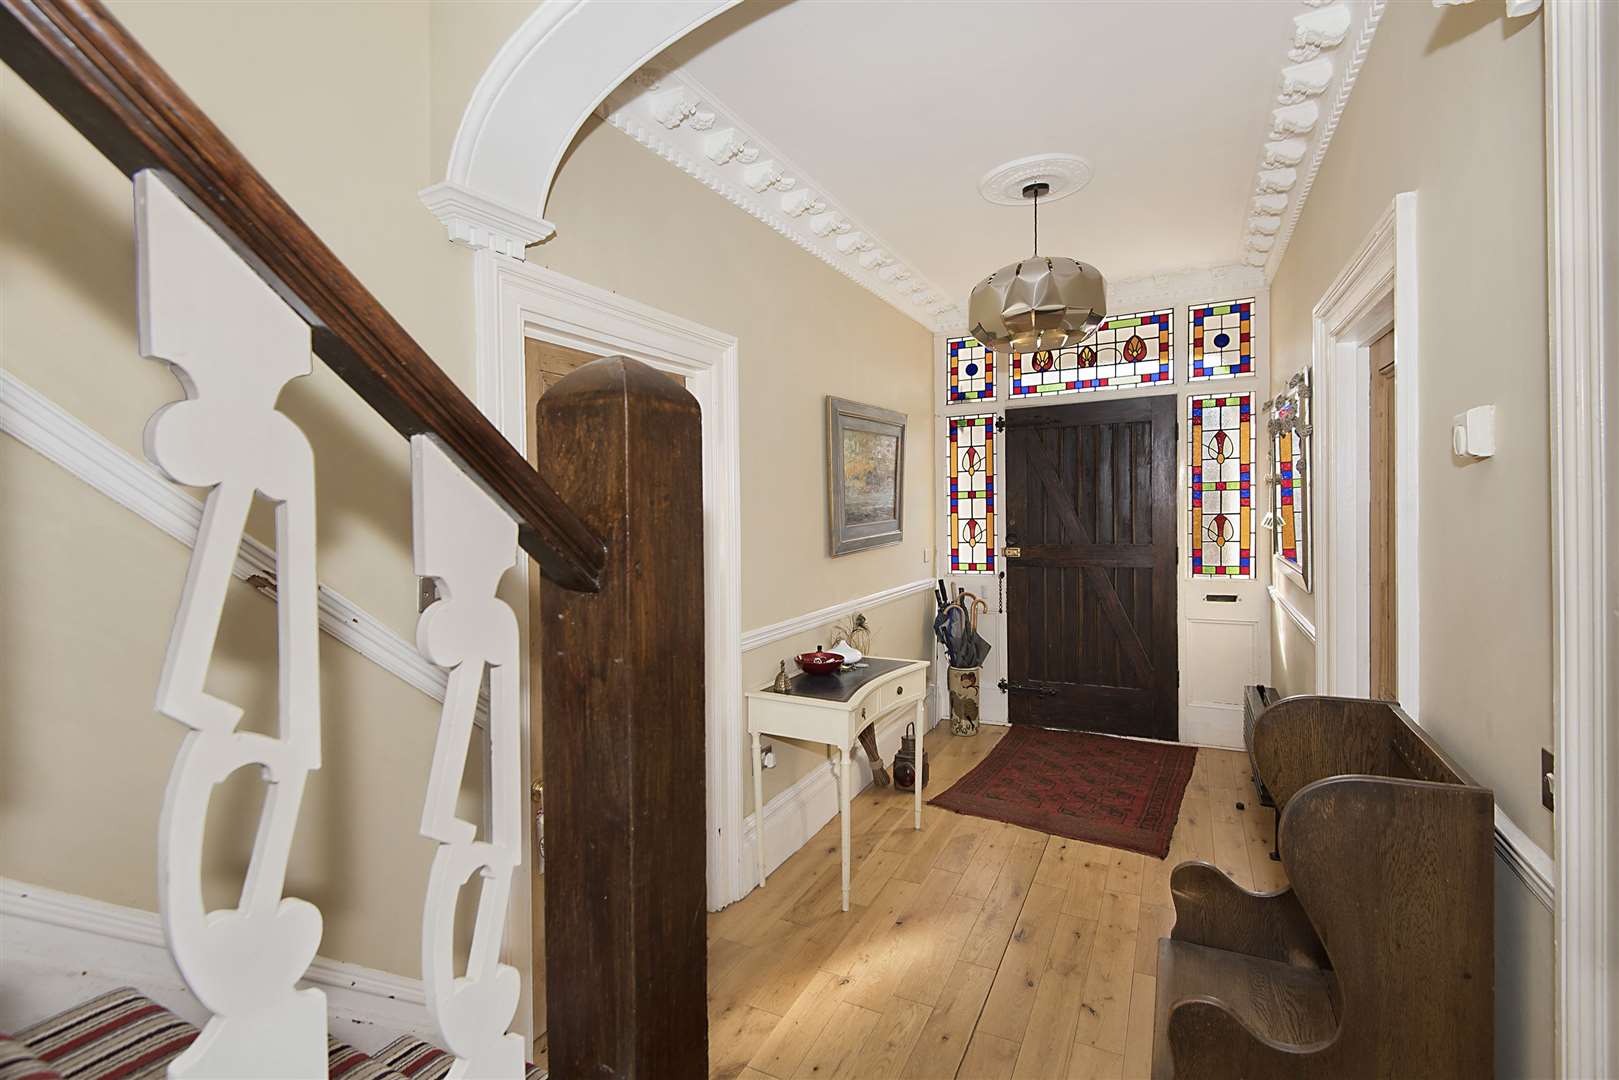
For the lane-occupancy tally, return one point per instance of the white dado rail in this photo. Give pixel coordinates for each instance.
(234, 345)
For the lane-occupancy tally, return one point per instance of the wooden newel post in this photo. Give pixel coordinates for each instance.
(622, 686)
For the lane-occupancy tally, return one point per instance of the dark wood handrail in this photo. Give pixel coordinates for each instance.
(91, 70)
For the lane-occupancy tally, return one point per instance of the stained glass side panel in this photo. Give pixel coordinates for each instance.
(1220, 453)
(1135, 349)
(972, 494)
(970, 369)
(1222, 339)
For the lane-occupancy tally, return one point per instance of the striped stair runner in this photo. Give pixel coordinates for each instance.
(125, 1035)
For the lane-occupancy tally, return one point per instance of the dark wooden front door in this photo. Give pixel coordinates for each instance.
(1090, 496)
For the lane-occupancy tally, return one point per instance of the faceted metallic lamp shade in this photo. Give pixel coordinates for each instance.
(1038, 303)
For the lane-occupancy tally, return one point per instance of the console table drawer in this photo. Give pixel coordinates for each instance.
(902, 691)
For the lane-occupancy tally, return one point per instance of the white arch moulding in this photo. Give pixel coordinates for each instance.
(530, 103)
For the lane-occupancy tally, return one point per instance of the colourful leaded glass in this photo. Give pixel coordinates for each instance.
(1222, 339)
(1220, 452)
(1127, 350)
(971, 368)
(1290, 434)
(972, 494)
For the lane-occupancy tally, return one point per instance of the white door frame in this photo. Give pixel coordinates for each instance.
(1580, 176)
(1376, 291)
(519, 300)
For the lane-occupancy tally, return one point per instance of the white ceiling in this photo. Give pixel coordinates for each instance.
(898, 108)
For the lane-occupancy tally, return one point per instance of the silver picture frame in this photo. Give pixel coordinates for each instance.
(865, 466)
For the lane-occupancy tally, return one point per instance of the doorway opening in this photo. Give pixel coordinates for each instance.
(1382, 522)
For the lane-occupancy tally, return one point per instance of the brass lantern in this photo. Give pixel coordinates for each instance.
(1040, 303)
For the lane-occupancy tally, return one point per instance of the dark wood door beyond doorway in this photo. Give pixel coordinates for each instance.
(1090, 496)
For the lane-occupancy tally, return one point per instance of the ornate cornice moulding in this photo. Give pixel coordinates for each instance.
(674, 116)
(1318, 73)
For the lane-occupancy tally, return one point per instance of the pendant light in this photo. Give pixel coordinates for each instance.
(1039, 303)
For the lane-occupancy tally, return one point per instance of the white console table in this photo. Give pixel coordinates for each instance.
(834, 709)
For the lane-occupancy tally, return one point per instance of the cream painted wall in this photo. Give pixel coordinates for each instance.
(1449, 105)
(629, 222)
(90, 588)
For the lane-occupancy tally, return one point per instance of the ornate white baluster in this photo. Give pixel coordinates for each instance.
(466, 541)
(234, 345)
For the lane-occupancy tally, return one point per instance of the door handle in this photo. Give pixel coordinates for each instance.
(1014, 553)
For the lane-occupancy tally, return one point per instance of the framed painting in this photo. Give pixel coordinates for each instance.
(865, 465)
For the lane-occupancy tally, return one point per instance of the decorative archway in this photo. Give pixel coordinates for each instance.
(530, 103)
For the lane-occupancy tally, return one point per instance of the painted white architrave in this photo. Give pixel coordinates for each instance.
(515, 301)
(1581, 162)
(1376, 291)
(540, 87)
(233, 345)
(467, 541)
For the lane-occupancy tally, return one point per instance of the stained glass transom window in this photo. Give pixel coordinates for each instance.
(1220, 453)
(1127, 350)
(1222, 339)
(971, 370)
(972, 494)
(1290, 431)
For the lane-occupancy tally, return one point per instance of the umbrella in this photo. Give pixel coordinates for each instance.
(955, 627)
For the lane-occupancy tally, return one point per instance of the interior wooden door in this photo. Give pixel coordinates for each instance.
(1091, 563)
(1381, 519)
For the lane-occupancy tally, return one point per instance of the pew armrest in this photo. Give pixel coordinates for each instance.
(1214, 911)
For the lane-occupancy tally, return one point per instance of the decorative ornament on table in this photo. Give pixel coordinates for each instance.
(905, 762)
(1038, 304)
(782, 685)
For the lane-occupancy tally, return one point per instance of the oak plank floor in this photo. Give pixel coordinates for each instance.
(971, 949)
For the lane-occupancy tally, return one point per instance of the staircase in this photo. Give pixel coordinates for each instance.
(235, 295)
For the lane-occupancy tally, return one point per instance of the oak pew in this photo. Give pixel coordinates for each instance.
(1378, 959)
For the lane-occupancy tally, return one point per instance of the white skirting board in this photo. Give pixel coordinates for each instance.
(798, 813)
(61, 949)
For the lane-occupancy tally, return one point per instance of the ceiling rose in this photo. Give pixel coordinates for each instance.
(1063, 174)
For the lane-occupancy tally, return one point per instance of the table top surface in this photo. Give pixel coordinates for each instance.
(842, 686)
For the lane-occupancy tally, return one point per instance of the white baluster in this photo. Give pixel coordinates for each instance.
(465, 540)
(234, 345)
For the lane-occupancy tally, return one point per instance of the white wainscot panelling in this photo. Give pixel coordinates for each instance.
(1222, 657)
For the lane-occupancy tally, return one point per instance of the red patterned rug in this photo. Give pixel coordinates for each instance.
(1120, 792)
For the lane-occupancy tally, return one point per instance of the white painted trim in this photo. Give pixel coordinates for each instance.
(1526, 859)
(679, 119)
(1577, 119)
(810, 620)
(42, 425)
(798, 812)
(542, 85)
(478, 222)
(1271, 257)
(518, 300)
(1300, 620)
(1376, 290)
(61, 948)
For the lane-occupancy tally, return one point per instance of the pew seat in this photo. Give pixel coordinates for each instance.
(1377, 960)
